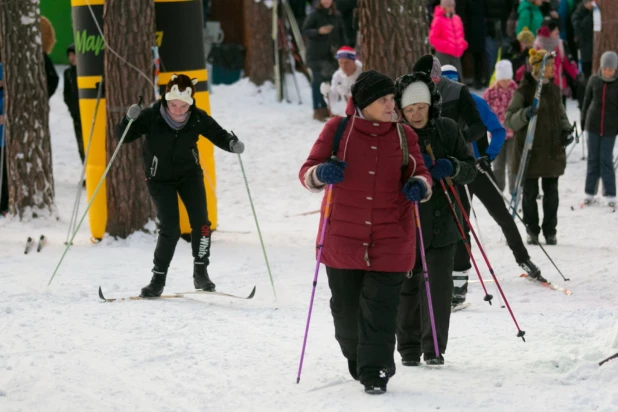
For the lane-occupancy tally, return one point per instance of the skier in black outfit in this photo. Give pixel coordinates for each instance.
(172, 127)
(71, 99)
(457, 102)
(420, 102)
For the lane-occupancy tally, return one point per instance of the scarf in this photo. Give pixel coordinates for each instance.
(171, 122)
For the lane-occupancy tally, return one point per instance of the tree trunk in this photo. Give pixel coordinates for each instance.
(393, 35)
(258, 39)
(29, 168)
(607, 38)
(128, 202)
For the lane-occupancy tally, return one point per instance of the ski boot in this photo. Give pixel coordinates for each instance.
(433, 360)
(156, 285)
(200, 277)
(532, 239)
(411, 361)
(376, 385)
(460, 287)
(551, 240)
(532, 270)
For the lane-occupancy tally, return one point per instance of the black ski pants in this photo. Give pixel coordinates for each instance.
(493, 201)
(364, 309)
(77, 126)
(165, 197)
(550, 205)
(414, 333)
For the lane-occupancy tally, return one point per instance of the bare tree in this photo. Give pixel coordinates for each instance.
(393, 35)
(259, 45)
(129, 28)
(28, 145)
(607, 38)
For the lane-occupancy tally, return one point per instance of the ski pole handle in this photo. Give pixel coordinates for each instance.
(433, 160)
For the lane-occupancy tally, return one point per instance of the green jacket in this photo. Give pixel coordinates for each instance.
(530, 16)
(547, 157)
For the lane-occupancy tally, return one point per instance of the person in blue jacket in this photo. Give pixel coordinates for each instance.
(482, 187)
(4, 193)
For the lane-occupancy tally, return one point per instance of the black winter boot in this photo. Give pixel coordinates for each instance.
(156, 285)
(200, 277)
(532, 270)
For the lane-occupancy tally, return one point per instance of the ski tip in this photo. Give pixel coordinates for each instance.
(252, 294)
(101, 294)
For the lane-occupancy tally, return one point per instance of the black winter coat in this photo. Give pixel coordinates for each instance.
(496, 14)
(458, 104)
(71, 92)
(583, 27)
(51, 76)
(439, 227)
(323, 47)
(170, 154)
(600, 108)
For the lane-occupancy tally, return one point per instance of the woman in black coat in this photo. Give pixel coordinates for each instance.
(326, 33)
(420, 102)
(172, 127)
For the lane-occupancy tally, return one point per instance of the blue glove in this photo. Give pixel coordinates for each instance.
(414, 189)
(427, 160)
(443, 168)
(331, 172)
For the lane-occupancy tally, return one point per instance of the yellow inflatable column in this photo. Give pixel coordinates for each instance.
(89, 49)
(181, 49)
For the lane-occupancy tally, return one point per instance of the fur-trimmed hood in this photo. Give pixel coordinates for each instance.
(436, 99)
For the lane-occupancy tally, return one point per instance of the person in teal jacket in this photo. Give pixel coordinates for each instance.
(530, 15)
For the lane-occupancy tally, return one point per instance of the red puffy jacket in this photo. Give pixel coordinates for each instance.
(371, 224)
(446, 34)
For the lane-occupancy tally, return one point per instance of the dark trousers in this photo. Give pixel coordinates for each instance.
(4, 195)
(550, 205)
(77, 126)
(364, 309)
(493, 201)
(601, 165)
(316, 80)
(587, 69)
(414, 334)
(165, 197)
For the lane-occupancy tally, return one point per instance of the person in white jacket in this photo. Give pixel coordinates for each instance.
(338, 91)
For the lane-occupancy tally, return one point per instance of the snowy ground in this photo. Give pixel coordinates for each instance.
(61, 349)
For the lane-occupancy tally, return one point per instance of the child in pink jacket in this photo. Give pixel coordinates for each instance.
(499, 96)
(446, 34)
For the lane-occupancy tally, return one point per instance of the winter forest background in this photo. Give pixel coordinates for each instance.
(61, 349)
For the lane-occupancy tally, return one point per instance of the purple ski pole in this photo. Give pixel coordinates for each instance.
(426, 279)
(315, 277)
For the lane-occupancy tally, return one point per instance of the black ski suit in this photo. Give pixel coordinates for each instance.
(440, 237)
(172, 168)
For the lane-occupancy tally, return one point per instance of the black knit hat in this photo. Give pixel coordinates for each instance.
(370, 86)
(71, 49)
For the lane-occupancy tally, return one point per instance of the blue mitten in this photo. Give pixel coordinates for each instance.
(414, 189)
(331, 172)
(441, 169)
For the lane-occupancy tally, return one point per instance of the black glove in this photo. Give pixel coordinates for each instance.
(531, 111)
(567, 139)
(133, 112)
(483, 164)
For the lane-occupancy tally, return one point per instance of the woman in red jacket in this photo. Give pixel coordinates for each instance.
(370, 238)
(446, 34)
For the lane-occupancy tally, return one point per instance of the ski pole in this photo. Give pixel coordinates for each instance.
(464, 239)
(520, 333)
(495, 185)
(94, 195)
(78, 195)
(478, 228)
(426, 280)
(257, 224)
(329, 195)
(2, 151)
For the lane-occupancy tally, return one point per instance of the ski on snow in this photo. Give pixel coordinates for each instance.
(176, 295)
(459, 307)
(547, 285)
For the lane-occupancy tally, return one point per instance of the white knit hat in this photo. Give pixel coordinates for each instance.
(416, 92)
(504, 70)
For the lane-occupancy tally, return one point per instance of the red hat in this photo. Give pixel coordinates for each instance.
(346, 52)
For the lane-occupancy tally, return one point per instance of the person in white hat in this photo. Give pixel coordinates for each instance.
(338, 91)
(418, 98)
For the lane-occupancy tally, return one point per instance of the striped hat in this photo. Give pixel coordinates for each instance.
(346, 52)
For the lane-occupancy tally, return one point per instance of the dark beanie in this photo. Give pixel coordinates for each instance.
(71, 48)
(424, 64)
(370, 86)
